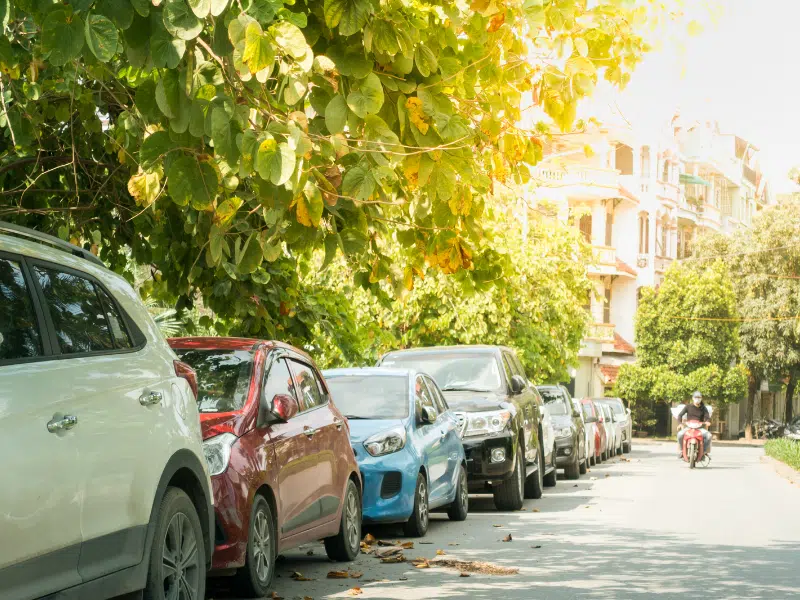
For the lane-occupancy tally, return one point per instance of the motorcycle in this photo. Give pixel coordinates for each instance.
(693, 450)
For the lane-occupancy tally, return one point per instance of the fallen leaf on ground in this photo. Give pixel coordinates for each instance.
(307, 598)
(576, 485)
(386, 543)
(406, 545)
(453, 544)
(536, 547)
(463, 574)
(366, 549)
(536, 510)
(338, 574)
(608, 474)
(369, 539)
(592, 478)
(508, 538)
(470, 566)
(390, 551)
(496, 525)
(426, 543)
(356, 575)
(421, 563)
(521, 509)
(275, 596)
(356, 591)
(440, 553)
(397, 558)
(403, 579)
(299, 577)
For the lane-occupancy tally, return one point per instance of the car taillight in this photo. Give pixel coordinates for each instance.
(186, 372)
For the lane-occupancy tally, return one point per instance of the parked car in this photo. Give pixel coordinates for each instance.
(571, 454)
(613, 433)
(407, 444)
(548, 442)
(497, 409)
(588, 433)
(282, 469)
(592, 419)
(622, 416)
(105, 474)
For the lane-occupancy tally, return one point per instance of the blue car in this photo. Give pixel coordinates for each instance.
(407, 444)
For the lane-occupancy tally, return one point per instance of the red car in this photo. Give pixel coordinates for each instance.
(278, 450)
(594, 418)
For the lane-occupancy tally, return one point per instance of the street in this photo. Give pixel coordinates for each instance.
(638, 527)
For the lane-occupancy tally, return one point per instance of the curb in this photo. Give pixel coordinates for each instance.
(782, 469)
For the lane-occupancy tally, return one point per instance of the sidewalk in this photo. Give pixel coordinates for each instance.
(720, 443)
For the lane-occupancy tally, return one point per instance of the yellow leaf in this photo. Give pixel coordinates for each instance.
(415, 114)
(695, 28)
(496, 22)
(408, 278)
(144, 187)
(588, 151)
(411, 170)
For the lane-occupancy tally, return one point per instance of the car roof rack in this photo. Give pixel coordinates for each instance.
(49, 240)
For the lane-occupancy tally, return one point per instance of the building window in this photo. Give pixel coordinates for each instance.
(661, 241)
(645, 161)
(644, 234)
(585, 226)
(609, 228)
(607, 307)
(623, 159)
(665, 172)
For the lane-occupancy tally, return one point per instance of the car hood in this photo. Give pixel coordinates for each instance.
(361, 429)
(462, 401)
(561, 421)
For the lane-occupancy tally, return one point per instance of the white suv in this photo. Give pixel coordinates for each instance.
(104, 487)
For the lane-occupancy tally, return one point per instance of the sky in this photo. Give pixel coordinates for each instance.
(742, 71)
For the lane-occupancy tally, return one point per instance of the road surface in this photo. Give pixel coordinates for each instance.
(643, 528)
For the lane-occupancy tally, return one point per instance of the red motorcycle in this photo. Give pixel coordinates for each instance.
(694, 451)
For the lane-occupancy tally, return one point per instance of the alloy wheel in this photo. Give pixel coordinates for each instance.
(464, 491)
(180, 565)
(423, 505)
(521, 477)
(352, 519)
(262, 546)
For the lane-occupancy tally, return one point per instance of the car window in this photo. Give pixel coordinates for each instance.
(121, 336)
(555, 401)
(587, 410)
(441, 405)
(223, 377)
(464, 371)
(423, 396)
(370, 396)
(19, 329)
(519, 369)
(507, 368)
(279, 381)
(76, 311)
(308, 388)
(618, 407)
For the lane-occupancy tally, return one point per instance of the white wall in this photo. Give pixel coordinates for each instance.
(623, 306)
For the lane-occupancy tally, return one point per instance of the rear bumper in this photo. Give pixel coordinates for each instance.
(231, 521)
(480, 466)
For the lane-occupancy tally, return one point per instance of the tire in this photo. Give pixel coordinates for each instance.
(692, 451)
(253, 580)
(573, 471)
(534, 485)
(459, 509)
(417, 524)
(551, 479)
(345, 545)
(626, 448)
(178, 555)
(584, 465)
(509, 494)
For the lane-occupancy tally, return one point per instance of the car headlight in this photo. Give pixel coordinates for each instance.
(386, 442)
(218, 452)
(485, 423)
(564, 432)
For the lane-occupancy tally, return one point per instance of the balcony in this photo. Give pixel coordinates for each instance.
(668, 191)
(578, 181)
(599, 332)
(605, 261)
(662, 263)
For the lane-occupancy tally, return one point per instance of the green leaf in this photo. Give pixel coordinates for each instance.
(192, 181)
(119, 12)
(180, 21)
(351, 62)
(336, 114)
(366, 97)
(258, 53)
(382, 137)
(384, 37)
(142, 7)
(266, 156)
(296, 88)
(442, 180)
(283, 167)
(200, 8)
(582, 47)
(168, 93)
(251, 257)
(62, 37)
(224, 144)
(349, 15)
(154, 148)
(167, 51)
(290, 39)
(358, 183)
(216, 242)
(101, 37)
(227, 210)
(248, 148)
(271, 251)
(425, 60)
(218, 7)
(534, 13)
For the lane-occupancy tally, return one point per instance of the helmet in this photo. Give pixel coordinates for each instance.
(697, 397)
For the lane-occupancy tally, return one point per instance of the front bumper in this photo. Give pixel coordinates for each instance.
(389, 485)
(481, 469)
(566, 449)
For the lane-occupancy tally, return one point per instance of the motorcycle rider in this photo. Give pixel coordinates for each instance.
(696, 411)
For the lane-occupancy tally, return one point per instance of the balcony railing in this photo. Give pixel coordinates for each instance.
(600, 332)
(662, 263)
(605, 256)
(578, 175)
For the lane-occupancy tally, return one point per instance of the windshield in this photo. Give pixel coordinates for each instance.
(453, 370)
(554, 402)
(223, 377)
(617, 407)
(587, 411)
(370, 396)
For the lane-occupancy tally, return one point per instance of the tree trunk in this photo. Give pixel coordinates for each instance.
(752, 387)
(790, 387)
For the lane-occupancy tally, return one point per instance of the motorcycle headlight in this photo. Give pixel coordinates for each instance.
(564, 432)
(486, 423)
(386, 442)
(218, 452)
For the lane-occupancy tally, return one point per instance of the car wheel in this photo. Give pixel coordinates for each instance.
(551, 479)
(626, 447)
(584, 465)
(178, 555)
(459, 509)
(345, 545)
(534, 485)
(573, 471)
(417, 524)
(509, 495)
(253, 580)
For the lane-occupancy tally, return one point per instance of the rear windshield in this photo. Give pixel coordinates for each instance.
(370, 396)
(587, 411)
(223, 377)
(474, 372)
(616, 406)
(554, 402)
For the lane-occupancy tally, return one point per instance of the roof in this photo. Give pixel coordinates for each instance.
(49, 240)
(625, 268)
(609, 373)
(622, 346)
(369, 371)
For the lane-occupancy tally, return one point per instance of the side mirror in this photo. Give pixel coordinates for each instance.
(517, 384)
(428, 416)
(282, 408)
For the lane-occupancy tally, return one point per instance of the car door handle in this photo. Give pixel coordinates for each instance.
(339, 424)
(309, 432)
(65, 423)
(151, 398)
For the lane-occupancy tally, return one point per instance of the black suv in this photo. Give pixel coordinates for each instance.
(571, 452)
(499, 413)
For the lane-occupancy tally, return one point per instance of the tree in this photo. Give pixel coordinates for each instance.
(687, 339)
(220, 141)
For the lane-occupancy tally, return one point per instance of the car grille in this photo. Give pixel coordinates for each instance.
(391, 484)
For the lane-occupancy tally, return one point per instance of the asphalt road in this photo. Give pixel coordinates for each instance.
(645, 527)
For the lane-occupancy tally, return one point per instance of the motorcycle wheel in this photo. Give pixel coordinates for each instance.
(692, 455)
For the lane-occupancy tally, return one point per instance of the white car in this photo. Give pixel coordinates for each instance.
(614, 427)
(105, 487)
(588, 430)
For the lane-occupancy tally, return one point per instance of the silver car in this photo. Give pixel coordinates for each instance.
(622, 416)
